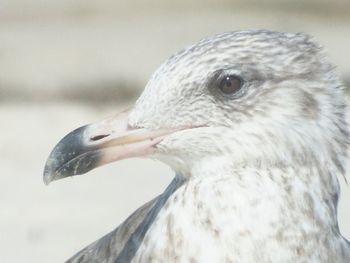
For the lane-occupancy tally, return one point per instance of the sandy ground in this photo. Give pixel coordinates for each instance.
(49, 224)
(44, 57)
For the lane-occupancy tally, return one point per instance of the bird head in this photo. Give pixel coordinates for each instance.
(247, 98)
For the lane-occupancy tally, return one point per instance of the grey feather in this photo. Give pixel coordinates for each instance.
(120, 245)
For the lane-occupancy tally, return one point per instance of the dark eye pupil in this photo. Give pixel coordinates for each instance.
(230, 84)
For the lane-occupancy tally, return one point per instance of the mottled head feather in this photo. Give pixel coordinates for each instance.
(290, 111)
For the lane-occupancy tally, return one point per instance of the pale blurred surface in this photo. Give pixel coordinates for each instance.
(67, 63)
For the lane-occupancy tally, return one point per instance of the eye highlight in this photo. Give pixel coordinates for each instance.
(230, 84)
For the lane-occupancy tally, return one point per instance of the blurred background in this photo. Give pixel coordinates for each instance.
(67, 63)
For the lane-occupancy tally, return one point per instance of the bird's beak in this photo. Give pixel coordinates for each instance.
(97, 144)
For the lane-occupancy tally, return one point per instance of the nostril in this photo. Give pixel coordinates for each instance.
(98, 137)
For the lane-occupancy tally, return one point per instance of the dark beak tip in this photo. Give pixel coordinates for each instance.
(73, 155)
(46, 180)
(49, 170)
(48, 176)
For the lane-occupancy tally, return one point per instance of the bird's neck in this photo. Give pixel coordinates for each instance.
(246, 213)
(310, 190)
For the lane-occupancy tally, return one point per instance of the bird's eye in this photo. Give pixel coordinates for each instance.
(230, 84)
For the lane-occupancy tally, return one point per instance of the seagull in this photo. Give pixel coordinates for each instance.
(253, 123)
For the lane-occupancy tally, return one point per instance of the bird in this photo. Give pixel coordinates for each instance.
(254, 125)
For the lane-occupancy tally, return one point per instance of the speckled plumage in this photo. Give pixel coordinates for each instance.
(257, 180)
